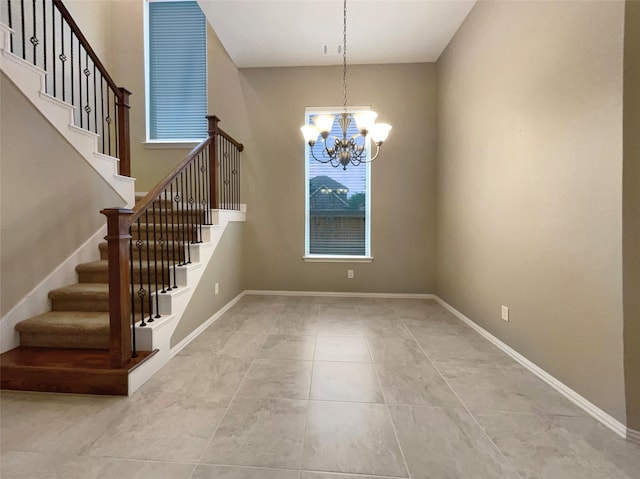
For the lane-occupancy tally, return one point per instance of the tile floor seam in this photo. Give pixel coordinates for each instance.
(306, 416)
(195, 467)
(206, 447)
(475, 420)
(386, 407)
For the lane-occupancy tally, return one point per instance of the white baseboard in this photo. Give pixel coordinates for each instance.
(37, 300)
(633, 435)
(261, 292)
(196, 332)
(590, 408)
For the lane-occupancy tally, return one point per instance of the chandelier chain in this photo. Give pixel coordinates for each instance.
(344, 58)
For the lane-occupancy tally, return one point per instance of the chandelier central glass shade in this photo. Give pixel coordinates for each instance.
(342, 151)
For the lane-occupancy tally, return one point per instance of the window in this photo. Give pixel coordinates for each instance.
(176, 71)
(337, 224)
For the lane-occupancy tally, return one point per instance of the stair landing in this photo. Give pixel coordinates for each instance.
(81, 371)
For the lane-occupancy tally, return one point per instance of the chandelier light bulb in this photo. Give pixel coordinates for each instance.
(310, 133)
(365, 120)
(380, 132)
(324, 123)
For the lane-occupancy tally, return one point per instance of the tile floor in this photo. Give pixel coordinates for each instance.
(319, 388)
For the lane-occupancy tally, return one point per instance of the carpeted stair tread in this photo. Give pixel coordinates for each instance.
(66, 329)
(67, 322)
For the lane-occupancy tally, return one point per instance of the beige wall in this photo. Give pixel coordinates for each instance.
(49, 195)
(224, 268)
(631, 209)
(402, 178)
(94, 19)
(529, 185)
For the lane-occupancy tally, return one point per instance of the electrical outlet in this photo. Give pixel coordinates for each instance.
(350, 273)
(505, 313)
(216, 288)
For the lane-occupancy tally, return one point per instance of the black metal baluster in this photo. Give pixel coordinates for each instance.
(62, 57)
(80, 86)
(207, 179)
(238, 166)
(161, 240)
(141, 291)
(168, 239)
(116, 133)
(102, 134)
(10, 25)
(24, 45)
(203, 185)
(53, 48)
(87, 73)
(44, 39)
(183, 221)
(146, 230)
(133, 301)
(199, 209)
(187, 180)
(173, 233)
(34, 38)
(95, 101)
(179, 213)
(73, 87)
(108, 119)
(225, 176)
(187, 173)
(155, 258)
(190, 216)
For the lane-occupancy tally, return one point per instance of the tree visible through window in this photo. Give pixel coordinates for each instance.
(177, 71)
(337, 213)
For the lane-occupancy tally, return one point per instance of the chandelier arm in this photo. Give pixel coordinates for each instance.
(376, 155)
(318, 159)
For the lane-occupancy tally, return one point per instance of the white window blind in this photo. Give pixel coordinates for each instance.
(338, 211)
(177, 71)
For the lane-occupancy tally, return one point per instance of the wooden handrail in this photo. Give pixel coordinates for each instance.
(85, 43)
(148, 199)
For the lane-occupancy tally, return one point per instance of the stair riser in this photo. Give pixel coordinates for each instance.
(147, 275)
(167, 249)
(80, 304)
(100, 304)
(70, 341)
(178, 234)
(174, 216)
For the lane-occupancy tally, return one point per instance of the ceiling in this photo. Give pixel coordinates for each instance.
(267, 33)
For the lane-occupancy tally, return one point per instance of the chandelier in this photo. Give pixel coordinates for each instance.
(342, 151)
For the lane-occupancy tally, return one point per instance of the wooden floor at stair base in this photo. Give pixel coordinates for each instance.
(80, 371)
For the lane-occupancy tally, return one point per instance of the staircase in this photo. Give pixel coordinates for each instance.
(74, 335)
(67, 349)
(111, 331)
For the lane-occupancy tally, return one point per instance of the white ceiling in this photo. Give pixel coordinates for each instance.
(266, 33)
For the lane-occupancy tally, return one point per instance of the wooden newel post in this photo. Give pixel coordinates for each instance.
(124, 139)
(118, 221)
(213, 161)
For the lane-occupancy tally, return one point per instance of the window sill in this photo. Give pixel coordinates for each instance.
(337, 259)
(170, 145)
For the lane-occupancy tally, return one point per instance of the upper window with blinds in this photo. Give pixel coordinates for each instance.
(338, 202)
(176, 71)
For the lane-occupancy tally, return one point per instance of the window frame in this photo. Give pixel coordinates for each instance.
(152, 143)
(321, 258)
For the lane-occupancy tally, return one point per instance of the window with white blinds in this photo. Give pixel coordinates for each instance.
(338, 201)
(177, 71)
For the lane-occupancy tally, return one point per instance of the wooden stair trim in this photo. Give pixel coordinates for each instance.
(79, 371)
